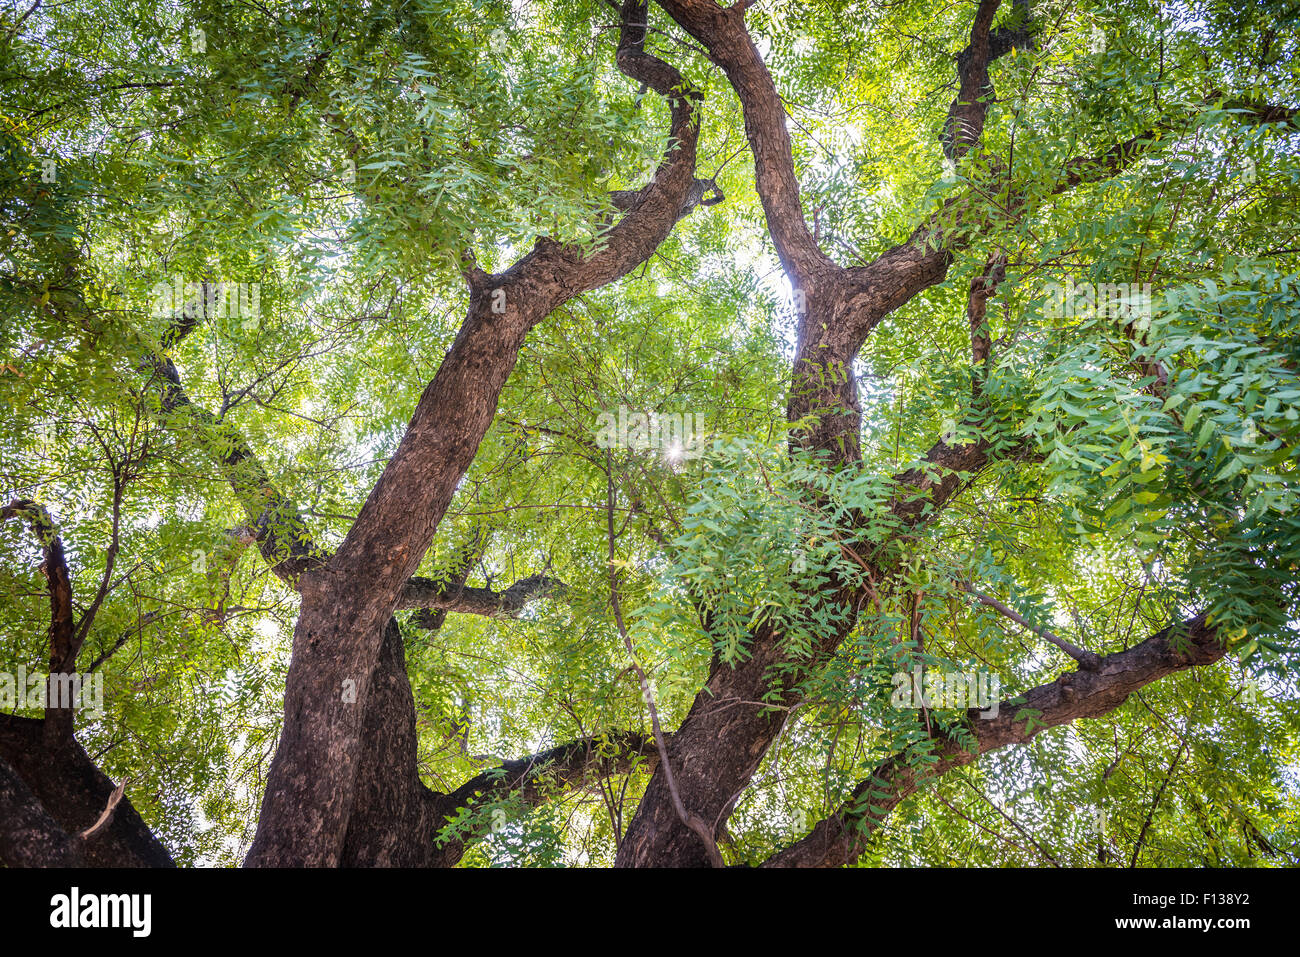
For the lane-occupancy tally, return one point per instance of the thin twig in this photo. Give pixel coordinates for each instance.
(693, 821)
(113, 800)
(1088, 660)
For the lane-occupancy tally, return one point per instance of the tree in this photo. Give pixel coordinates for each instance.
(756, 561)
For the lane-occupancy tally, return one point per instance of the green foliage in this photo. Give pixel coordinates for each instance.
(345, 157)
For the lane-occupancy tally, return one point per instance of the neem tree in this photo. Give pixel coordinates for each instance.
(271, 278)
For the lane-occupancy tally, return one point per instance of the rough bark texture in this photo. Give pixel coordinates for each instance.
(839, 839)
(429, 594)
(396, 819)
(73, 792)
(344, 787)
(728, 730)
(30, 837)
(49, 787)
(726, 733)
(346, 603)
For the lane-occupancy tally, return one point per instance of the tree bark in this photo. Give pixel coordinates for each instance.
(312, 785)
(839, 839)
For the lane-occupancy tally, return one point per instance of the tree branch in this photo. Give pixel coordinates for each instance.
(279, 521)
(30, 837)
(1088, 660)
(536, 778)
(840, 838)
(722, 32)
(982, 288)
(690, 819)
(426, 593)
(64, 641)
(570, 766)
(312, 785)
(73, 792)
(964, 125)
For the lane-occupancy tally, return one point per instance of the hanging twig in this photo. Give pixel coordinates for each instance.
(693, 821)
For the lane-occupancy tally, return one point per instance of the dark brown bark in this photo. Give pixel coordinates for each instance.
(728, 729)
(73, 792)
(837, 306)
(280, 531)
(537, 778)
(395, 816)
(726, 733)
(311, 789)
(839, 839)
(396, 819)
(464, 599)
(64, 636)
(982, 288)
(399, 822)
(48, 784)
(344, 787)
(965, 122)
(30, 837)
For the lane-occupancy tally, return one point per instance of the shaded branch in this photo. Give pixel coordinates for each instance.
(535, 779)
(280, 531)
(64, 641)
(982, 288)
(840, 838)
(922, 491)
(569, 766)
(432, 595)
(314, 784)
(73, 792)
(690, 819)
(1113, 160)
(29, 837)
(964, 123)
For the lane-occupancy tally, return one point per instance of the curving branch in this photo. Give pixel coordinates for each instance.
(1116, 158)
(840, 309)
(347, 603)
(536, 779)
(64, 637)
(921, 492)
(280, 532)
(278, 529)
(982, 288)
(722, 32)
(1088, 660)
(838, 840)
(964, 125)
(49, 787)
(841, 306)
(571, 766)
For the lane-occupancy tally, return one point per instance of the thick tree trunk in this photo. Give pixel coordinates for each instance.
(73, 793)
(346, 603)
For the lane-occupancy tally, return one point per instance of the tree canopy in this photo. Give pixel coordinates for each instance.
(459, 432)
